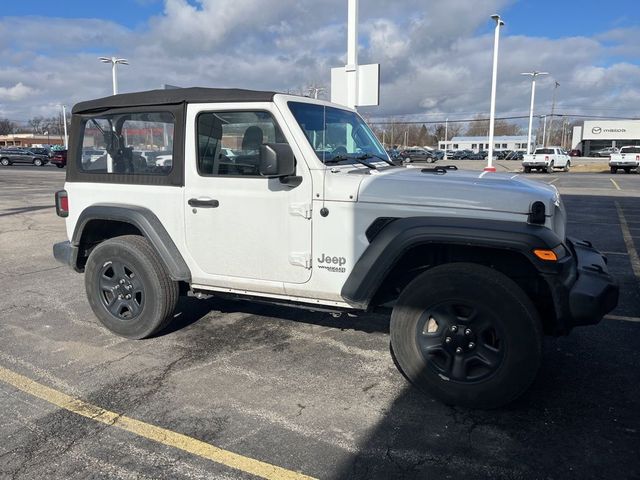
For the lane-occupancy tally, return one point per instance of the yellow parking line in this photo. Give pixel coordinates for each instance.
(146, 430)
(634, 258)
(615, 184)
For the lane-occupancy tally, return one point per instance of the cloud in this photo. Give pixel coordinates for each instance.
(18, 92)
(435, 56)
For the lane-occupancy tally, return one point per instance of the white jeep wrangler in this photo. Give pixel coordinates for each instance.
(291, 200)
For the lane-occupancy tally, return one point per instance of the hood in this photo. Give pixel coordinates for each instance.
(457, 189)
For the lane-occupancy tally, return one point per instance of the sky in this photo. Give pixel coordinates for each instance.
(435, 55)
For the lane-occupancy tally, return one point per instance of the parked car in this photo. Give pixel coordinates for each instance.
(417, 155)
(576, 152)
(460, 154)
(546, 160)
(91, 155)
(40, 151)
(59, 158)
(627, 159)
(10, 156)
(481, 155)
(515, 155)
(604, 152)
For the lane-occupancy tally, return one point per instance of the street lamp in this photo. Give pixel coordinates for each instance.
(494, 80)
(533, 76)
(64, 123)
(114, 61)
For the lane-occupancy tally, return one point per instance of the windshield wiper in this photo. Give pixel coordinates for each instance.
(362, 159)
(365, 156)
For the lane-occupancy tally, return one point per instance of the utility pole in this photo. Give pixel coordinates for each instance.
(494, 81)
(533, 96)
(553, 108)
(544, 132)
(352, 54)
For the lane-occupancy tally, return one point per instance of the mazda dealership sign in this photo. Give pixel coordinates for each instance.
(612, 130)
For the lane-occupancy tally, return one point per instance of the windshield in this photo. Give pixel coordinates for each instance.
(335, 133)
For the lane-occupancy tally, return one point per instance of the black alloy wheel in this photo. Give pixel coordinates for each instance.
(122, 290)
(467, 335)
(129, 288)
(460, 341)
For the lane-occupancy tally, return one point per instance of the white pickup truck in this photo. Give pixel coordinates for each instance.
(627, 159)
(546, 159)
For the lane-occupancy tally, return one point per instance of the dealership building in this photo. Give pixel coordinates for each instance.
(598, 134)
(507, 142)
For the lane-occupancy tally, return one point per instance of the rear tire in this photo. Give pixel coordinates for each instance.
(494, 336)
(527, 169)
(614, 170)
(38, 162)
(128, 287)
(59, 165)
(627, 170)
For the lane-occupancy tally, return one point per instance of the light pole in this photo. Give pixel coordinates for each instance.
(64, 123)
(446, 136)
(533, 76)
(114, 61)
(494, 80)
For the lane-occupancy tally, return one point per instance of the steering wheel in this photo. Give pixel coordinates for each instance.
(341, 150)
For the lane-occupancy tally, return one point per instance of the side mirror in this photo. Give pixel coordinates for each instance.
(277, 160)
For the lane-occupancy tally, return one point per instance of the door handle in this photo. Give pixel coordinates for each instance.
(203, 203)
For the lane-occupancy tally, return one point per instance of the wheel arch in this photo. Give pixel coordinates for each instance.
(404, 248)
(101, 222)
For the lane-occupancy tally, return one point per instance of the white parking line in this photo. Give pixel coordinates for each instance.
(554, 180)
(615, 184)
(623, 319)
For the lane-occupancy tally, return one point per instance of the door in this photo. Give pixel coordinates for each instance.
(238, 223)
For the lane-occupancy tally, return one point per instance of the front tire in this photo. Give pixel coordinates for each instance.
(37, 162)
(5, 162)
(467, 335)
(128, 287)
(567, 166)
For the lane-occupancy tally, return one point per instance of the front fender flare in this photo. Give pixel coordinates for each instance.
(402, 234)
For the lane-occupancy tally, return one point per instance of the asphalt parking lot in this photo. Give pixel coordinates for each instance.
(306, 392)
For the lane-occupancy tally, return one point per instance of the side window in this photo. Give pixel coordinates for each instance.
(128, 143)
(229, 142)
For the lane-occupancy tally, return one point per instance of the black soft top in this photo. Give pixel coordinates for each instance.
(173, 97)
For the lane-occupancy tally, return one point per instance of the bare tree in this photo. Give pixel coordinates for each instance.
(36, 124)
(7, 126)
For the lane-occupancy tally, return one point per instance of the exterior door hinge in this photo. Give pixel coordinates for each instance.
(301, 259)
(301, 209)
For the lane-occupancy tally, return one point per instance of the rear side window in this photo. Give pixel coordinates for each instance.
(545, 151)
(630, 150)
(112, 144)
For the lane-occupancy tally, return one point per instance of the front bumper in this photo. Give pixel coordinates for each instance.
(587, 292)
(67, 254)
